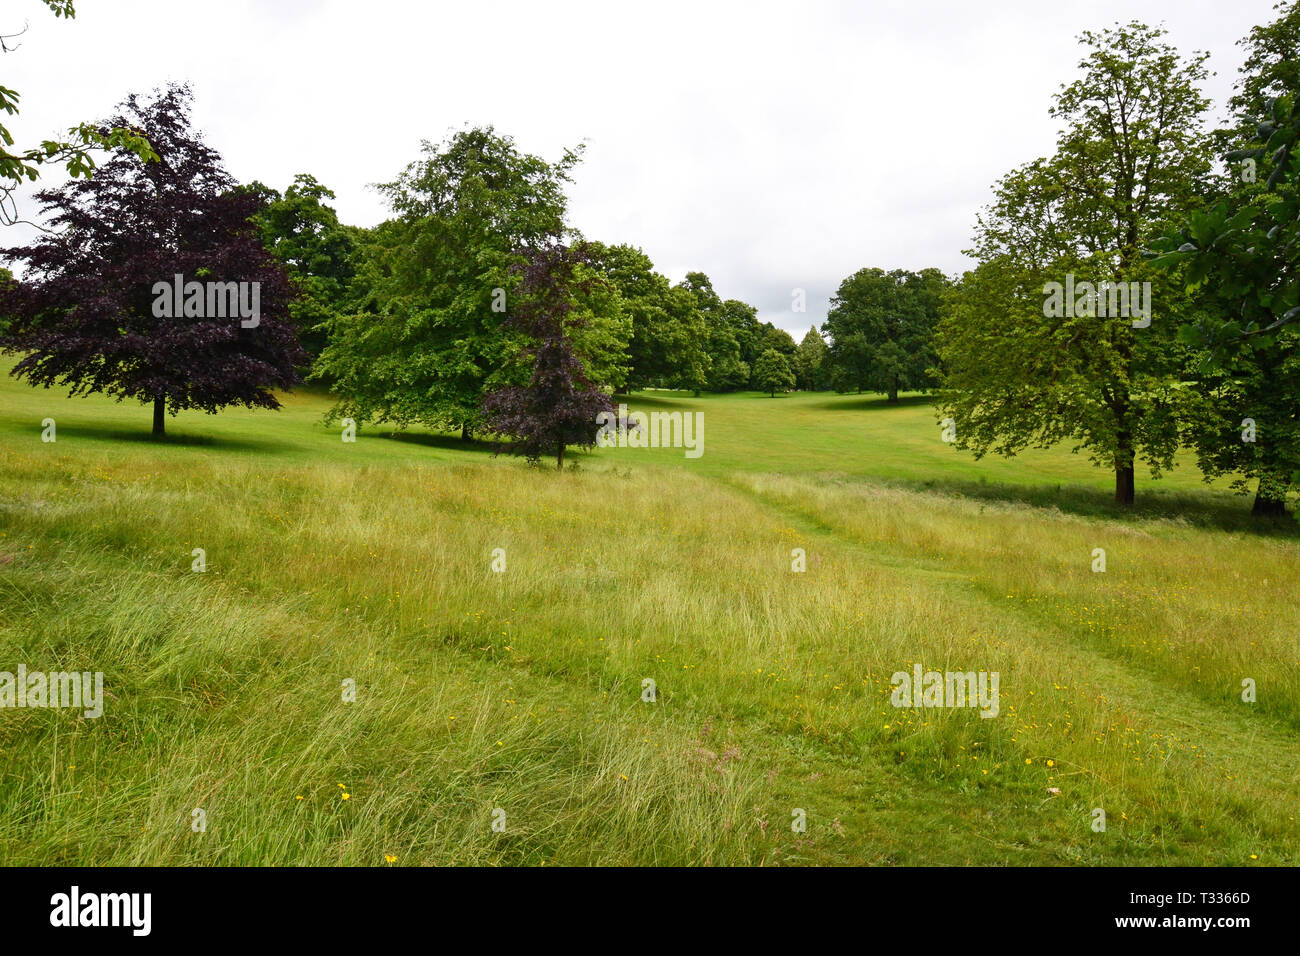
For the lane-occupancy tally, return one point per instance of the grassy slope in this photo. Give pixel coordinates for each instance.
(522, 690)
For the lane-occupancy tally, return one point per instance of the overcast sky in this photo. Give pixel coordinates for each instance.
(772, 146)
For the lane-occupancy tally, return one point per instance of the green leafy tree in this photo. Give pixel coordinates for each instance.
(304, 233)
(1240, 256)
(727, 370)
(882, 329)
(849, 360)
(1271, 68)
(6, 277)
(778, 339)
(689, 361)
(669, 337)
(810, 362)
(1132, 155)
(734, 334)
(1242, 418)
(429, 339)
(742, 319)
(600, 328)
(772, 371)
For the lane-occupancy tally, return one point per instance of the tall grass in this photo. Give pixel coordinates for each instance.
(522, 691)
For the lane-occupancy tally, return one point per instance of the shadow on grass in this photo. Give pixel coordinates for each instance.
(858, 402)
(144, 436)
(640, 400)
(443, 442)
(667, 399)
(1207, 509)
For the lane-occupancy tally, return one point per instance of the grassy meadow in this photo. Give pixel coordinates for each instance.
(521, 691)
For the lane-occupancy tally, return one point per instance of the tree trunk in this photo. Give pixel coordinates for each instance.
(1124, 494)
(159, 417)
(1124, 460)
(1266, 505)
(559, 459)
(1124, 452)
(1274, 481)
(465, 433)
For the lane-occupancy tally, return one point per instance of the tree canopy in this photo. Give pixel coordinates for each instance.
(304, 233)
(86, 314)
(560, 405)
(428, 339)
(882, 326)
(1132, 154)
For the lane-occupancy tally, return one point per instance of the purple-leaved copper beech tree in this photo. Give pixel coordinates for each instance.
(89, 314)
(559, 405)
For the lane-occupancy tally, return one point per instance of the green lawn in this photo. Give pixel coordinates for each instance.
(521, 691)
